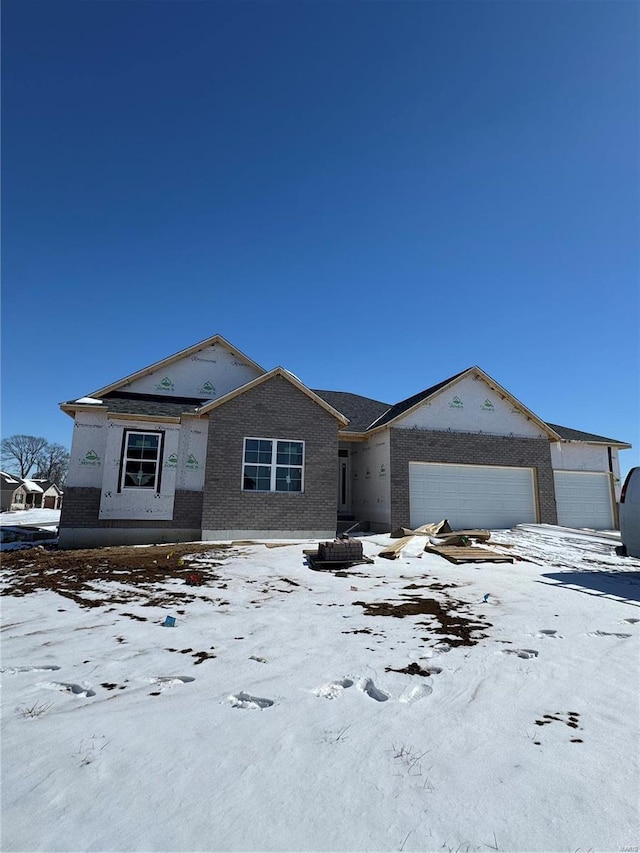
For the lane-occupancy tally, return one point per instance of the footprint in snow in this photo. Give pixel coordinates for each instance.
(521, 653)
(608, 634)
(631, 621)
(333, 689)
(414, 694)
(244, 700)
(12, 670)
(548, 632)
(367, 686)
(166, 682)
(64, 687)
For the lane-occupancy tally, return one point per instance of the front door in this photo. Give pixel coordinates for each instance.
(344, 495)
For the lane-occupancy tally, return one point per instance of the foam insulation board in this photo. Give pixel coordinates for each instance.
(138, 503)
(88, 449)
(470, 405)
(208, 374)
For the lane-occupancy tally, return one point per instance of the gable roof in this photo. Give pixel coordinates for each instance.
(31, 486)
(285, 374)
(45, 485)
(216, 339)
(411, 403)
(568, 434)
(361, 411)
(9, 482)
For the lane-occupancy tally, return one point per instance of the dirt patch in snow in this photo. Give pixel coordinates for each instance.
(133, 573)
(449, 618)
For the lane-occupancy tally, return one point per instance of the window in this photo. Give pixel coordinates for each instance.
(141, 454)
(272, 465)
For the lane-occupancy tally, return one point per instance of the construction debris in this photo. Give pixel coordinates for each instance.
(424, 530)
(468, 554)
(392, 552)
(457, 546)
(460, 537)
(337, 554)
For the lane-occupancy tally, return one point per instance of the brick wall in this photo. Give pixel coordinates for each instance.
(468, 449)
(274, 409)
(82, 504)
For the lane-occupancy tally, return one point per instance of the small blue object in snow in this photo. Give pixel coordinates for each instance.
(486, 596)
(169, 622)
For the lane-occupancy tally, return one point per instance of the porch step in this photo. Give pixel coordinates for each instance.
(344, 523)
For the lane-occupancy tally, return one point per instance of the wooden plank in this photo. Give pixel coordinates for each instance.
(461, 554)
(424, 530)
(392, 552)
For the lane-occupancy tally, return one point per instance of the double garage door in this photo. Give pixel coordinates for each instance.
(471, 495)
(583, 499)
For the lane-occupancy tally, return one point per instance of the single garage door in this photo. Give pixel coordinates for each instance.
(583, 499)
(471, 495)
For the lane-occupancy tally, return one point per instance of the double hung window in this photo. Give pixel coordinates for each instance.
(141, 455)
(273, 465)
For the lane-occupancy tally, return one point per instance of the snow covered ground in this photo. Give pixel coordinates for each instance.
(275, 714)
(36, 517)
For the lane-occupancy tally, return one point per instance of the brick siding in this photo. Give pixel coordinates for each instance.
(468, 449)
(274, 409)
(81, 507)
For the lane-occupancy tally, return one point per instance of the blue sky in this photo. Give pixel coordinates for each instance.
(375, 195)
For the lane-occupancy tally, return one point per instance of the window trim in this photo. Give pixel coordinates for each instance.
(273, 465)
(155, 489)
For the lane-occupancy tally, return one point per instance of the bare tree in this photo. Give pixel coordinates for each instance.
(52, 464)
(20, 452)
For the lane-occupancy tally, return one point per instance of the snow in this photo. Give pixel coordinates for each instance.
(89, 400)
(31, 486)
(295, 735)
(35, 517)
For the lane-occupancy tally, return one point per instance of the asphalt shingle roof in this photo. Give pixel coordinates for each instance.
(578, 435)
(148, 404)
(404, 405)
(361, 411)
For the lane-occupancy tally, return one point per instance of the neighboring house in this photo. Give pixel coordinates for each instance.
(9, 483)
(28, 495)
(51, 494)
(20, 493)
(206, 444)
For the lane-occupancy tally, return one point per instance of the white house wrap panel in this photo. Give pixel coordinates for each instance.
(88, 449)
(116, 503)
(370, 479)
(209, 373)
(192, 453)
(575, 456)
(583, 499)
(470, 405)
(471, 495)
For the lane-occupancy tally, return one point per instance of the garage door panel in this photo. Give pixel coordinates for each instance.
(583, 499)
(471, 495)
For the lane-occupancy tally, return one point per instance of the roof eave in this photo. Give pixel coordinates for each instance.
(158, 365)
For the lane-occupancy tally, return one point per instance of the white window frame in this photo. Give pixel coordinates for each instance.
(122, 486)
(273, 465)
